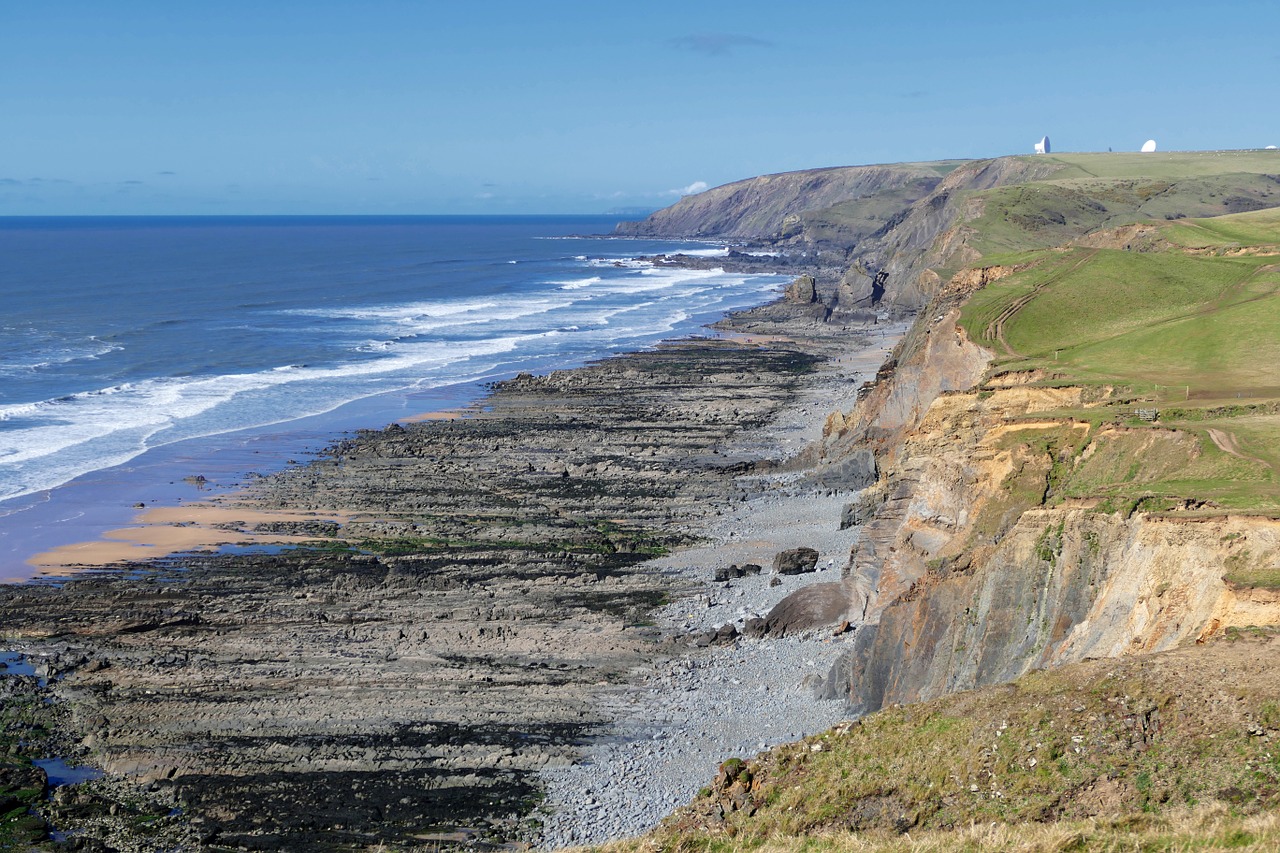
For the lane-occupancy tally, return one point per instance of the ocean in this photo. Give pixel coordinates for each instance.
(140, 356)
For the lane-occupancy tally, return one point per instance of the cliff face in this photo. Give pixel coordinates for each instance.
(1068, 464)
(896, 266)
(888, 226)
(758, 208)
(1064, 585)
(967, 573)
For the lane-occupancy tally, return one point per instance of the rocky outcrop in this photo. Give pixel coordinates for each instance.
(850, 472)
(802, 291)
(1064, 585)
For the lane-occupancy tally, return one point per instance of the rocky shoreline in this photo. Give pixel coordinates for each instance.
(417, 673)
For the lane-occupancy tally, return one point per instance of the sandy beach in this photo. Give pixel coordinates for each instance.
(445, 415)
(196, 526)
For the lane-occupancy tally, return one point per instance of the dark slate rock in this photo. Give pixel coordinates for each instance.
(813, 606)
(851, 473)
(797, 561)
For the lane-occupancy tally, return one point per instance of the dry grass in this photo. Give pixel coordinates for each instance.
(1173, 751)
(1209, 828)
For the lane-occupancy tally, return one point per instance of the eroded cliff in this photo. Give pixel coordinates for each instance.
(1022, 519)
(973, 573)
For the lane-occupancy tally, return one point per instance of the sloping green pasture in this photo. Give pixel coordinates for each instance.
(1051, 213)
(1088, 192)
(1257, 229)
(1193, 334)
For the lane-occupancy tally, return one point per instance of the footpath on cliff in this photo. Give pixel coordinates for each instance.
(465, 609)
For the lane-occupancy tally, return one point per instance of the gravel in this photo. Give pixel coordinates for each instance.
(671, 734)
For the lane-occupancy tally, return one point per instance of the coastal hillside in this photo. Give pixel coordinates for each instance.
(1025, 535)
(1174, 751)
(1075, 496)
(760, 208)
(897, 247)
(1106, 487)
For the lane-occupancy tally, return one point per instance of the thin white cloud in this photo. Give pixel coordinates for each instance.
(693, 189)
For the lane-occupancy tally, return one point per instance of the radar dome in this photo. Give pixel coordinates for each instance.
(1148, 146)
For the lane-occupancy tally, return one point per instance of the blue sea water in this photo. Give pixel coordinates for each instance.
(124, 340)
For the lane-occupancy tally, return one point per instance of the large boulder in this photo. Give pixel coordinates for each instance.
(797, 561)
(803, 291)
(815, 606)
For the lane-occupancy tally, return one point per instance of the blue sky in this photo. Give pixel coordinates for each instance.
(392, 106)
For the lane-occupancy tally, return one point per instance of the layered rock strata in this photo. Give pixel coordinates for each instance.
(968, 574)
(408, 673)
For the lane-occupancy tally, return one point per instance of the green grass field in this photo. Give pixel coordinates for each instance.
(1164, 164)
(1192, 329)
(1258, 228)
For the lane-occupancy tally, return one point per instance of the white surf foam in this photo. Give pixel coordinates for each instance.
(56, 440)
(721, 252)
(418, 344)
(578, 284)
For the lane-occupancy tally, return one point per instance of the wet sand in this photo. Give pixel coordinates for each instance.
(200, 526)
(445, 415)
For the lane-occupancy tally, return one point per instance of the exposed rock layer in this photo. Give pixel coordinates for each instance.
(330, 697)
(965, 578)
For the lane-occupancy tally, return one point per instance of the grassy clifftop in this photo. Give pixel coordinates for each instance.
(1176, 165)
(1184, 328)
(1089, 192)
(764, 207)
(900, 230)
